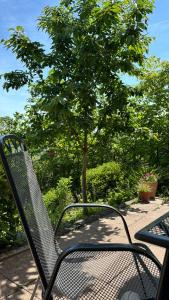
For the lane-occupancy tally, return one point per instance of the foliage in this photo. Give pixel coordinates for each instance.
(9, 220)
(60, 158)
(79, 106)
(76, 88)
(150, 178)
(143, 186)
(118, 196)
(112, 183)
(154, 104)
(126, 188)
(6, 125)
(57, 198)
(13, 125)
(103, 178)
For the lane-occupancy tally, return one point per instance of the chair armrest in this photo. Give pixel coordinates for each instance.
(94, 205)
(91, 248)
(146, 248)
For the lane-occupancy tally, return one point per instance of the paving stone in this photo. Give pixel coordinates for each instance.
(104, 230)
(6, 287)
(22, 294)
(20, 268)
(30, 288)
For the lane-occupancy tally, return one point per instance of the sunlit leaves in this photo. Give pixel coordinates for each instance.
(76, 89)
(15, 79)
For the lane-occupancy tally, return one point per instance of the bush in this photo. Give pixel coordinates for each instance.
(103, 178)
(112, 183)
(125, 190)
(9, 220)
(57, 198)
(116, 197)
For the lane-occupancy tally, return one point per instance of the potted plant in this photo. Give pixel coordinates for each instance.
(152, 180)
(144, 191)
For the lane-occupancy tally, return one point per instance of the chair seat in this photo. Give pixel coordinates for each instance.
(106, 275)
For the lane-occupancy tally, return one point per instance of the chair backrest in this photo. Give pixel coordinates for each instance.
(27, 194)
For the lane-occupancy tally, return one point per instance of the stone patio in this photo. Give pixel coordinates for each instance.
(17, 269)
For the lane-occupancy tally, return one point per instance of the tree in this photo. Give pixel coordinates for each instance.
(148, 142)
(6, 125)
(76, 88)
(154, 85)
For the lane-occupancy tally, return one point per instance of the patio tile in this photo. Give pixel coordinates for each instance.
(109, 229)
(22, 294)
(145, 211)
(20, 268)
(6, 287)
(30, 288)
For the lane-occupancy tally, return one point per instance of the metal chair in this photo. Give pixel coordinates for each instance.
(82, 271)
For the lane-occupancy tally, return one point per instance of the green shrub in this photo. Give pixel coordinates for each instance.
(112, 183)
(119, 195)
(103, 178)
(126, 188)
(57, 198)
(9, 219)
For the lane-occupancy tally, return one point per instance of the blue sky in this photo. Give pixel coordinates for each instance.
(25, 13)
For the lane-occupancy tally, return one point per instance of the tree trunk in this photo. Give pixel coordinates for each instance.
(84, 168)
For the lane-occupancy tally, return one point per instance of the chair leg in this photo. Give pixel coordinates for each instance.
(35, 288)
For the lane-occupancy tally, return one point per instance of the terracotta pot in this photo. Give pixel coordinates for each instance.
(144, 197)
(153, 189)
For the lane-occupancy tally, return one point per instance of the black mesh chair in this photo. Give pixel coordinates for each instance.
(82, 271)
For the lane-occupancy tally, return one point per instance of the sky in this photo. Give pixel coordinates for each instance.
(25, 13)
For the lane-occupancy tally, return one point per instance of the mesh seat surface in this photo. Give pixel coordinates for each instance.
(106, 275)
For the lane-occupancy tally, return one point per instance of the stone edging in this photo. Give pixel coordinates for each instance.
(13, 252)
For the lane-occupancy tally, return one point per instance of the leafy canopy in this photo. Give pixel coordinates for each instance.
(76, 87)
(92, 42)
